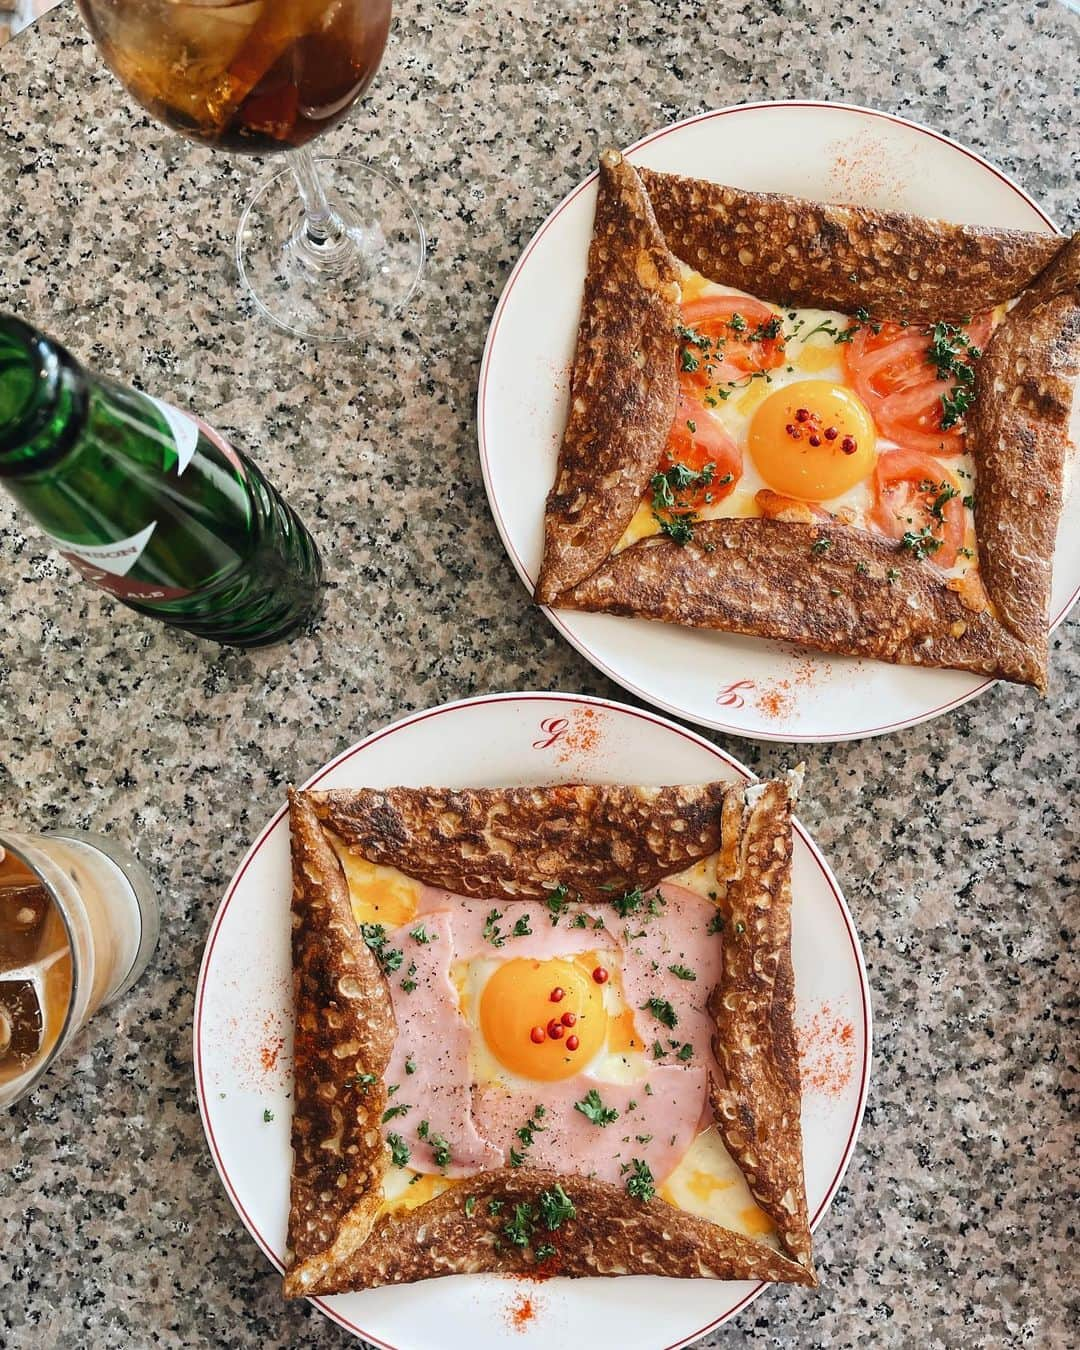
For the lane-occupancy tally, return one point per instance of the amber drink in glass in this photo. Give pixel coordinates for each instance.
(334, 242)
(78, 925)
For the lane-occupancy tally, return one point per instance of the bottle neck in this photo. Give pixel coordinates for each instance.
(44, 397)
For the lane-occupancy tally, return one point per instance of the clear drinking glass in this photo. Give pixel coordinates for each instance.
(328, 247)
(78, 925)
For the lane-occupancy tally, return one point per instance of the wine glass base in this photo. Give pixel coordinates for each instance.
(345, 290)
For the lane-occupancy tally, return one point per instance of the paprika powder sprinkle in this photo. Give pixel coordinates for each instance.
(826, 1052)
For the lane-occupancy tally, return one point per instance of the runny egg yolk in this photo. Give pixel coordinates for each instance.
(813, 440)
(517, 1000)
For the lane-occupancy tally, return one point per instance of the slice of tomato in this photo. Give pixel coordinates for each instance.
(907, 485)
(892, 374)
(696, 439)
(735, 328)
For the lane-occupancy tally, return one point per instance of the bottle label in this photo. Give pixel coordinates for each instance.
(184, 428)
(108, 565)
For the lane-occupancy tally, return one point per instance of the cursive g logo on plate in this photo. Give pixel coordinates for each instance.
(729, 696)
(553, 729)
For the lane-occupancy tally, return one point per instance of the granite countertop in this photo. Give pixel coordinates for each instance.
(955, 841)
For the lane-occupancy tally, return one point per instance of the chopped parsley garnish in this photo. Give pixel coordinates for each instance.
(954, 406)
(408, 983)
(690, 362)
(662, 1010)
(922, 544)
(521, 927)
(361, 1080)
(658, 1052)
(682, 972)
(420, 934)
(389, 958)
(495, 1206)
(737, 323)
(685, 1052)
(953, 356)
(592, 1108)
(680, 529)
(677, 479)
(558, 903)
(862, 569)
(629, 903)
(525, 1133)
(946, 492)
(410, 1065)
(399, 1150)
(470, 1206)
(643, 1138)
(640, 1184)
(556, 1208)
(766, 331)
(422, 1129)
(578, 921)
(491, 929)
(391, 1111)
(268, 1116)
(891, 575)
(519, 1230)
(740, 927)
(716, 923)
(821, 545)
(674, 514)
(440, 1150)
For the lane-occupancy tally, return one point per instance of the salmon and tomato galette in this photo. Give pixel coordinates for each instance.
(544, 1030)
(835, 426)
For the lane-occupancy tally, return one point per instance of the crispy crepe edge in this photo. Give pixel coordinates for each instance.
(827, 586)
(793, 251)
(623, 385)
(758, 1099)
(613, 1233)
(344, 1034)
(520, 843)
(1019, 428)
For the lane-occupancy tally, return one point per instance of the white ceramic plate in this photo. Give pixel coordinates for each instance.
(831, 152)
(243, 1024)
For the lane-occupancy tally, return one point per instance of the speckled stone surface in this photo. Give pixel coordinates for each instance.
(956, 841)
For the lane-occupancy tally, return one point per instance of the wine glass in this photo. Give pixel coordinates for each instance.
(328, 246)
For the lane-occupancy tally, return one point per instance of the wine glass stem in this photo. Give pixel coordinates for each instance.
(323, 244)
(319, 221)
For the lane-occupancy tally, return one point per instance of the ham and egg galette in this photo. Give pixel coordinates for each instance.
(835, 426)
(544, 1030)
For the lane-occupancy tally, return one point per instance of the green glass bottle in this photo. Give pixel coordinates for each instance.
(148, 502)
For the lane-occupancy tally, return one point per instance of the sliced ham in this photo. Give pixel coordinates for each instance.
(658, 1129)
(434, 1038)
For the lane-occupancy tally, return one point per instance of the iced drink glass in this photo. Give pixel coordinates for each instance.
(78, 925)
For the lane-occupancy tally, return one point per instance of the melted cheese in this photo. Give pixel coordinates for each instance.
(707, 1182)
(405, 1189)
(378, 894)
